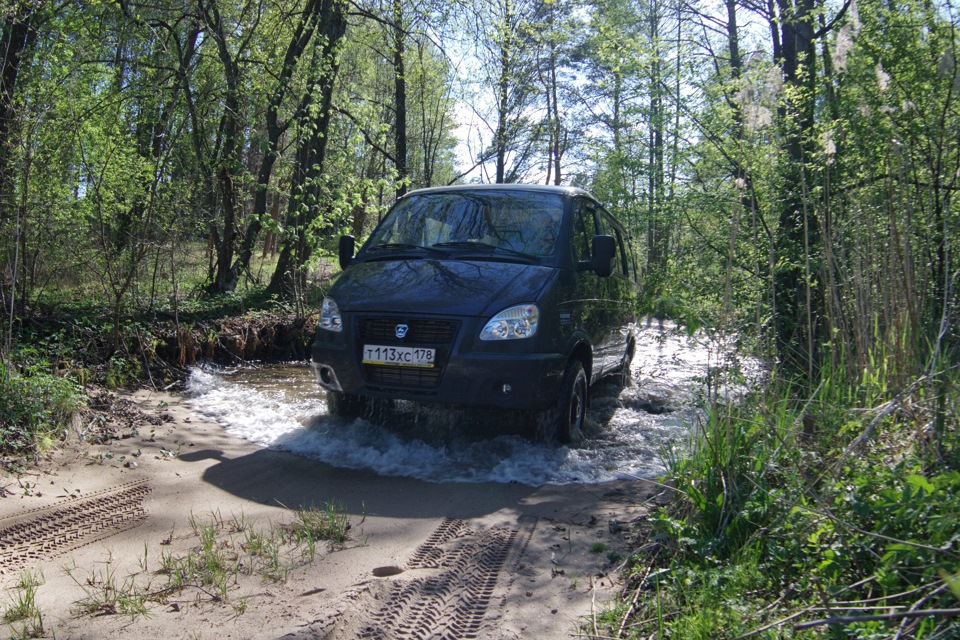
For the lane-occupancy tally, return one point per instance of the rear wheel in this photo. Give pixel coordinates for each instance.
(564, 421)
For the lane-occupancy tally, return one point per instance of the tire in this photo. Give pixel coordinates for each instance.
(563, 422)
(350, 407)
(345, 405)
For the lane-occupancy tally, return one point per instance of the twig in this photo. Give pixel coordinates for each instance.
(593, 606)
(636, 596)
(825, 512)
(916, 605)
(889, 617)
(774, 624)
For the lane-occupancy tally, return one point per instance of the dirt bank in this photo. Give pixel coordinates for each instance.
(169, 527)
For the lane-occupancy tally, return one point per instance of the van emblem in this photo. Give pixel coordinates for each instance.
(401, 331)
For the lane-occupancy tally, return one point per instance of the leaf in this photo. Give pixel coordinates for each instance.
(920, 483)
(953, 581)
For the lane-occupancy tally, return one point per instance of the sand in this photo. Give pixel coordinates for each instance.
(108, 530)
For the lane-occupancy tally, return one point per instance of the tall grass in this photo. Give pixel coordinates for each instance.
(834, 512)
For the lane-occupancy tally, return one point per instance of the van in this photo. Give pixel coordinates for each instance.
(515, 297)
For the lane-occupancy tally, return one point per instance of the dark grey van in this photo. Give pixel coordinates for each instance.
(504, 296)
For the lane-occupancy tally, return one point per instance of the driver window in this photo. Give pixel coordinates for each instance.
(584, 228)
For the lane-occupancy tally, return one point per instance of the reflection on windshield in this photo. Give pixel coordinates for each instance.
(524, 223)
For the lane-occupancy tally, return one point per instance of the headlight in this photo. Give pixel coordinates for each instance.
(513, 323)
(330, 316)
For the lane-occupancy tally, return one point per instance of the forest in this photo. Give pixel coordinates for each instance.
(788, 170)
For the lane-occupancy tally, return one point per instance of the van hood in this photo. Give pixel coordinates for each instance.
(446, 287)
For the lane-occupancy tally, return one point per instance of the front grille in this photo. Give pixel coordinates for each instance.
(439, 334)
(413, 377)
(422, 331)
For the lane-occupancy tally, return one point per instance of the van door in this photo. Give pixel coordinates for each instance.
(621, 290)
(592, 299)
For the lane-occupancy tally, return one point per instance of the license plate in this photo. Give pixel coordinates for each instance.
(402, 356)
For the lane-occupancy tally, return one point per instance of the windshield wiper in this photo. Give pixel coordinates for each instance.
(402, 246)
(488, 248)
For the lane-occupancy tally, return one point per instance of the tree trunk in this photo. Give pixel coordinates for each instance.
(309, 19)
(16, 41)
(305, 196)
(225, 279)
(400, 97)
(798, 300)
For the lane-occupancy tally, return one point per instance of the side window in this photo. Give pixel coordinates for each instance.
(584, 228)
(622, 259)
(608, 228)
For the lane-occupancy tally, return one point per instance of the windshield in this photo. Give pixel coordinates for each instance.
(527, 223)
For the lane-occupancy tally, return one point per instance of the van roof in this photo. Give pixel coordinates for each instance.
(541, 188)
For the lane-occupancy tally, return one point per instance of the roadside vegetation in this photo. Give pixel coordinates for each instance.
(174, 177)
(21, 614)
(225, 551)
(833, 514)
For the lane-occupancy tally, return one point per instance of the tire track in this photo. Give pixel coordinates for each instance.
(48, 532)
(454, 603)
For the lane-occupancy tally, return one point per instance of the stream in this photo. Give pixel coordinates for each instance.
(628, 431)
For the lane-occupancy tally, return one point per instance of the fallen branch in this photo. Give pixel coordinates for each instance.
(888, 617)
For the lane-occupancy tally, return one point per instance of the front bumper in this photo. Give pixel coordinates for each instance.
(504, 378)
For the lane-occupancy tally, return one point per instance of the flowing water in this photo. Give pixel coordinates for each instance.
(628, 430)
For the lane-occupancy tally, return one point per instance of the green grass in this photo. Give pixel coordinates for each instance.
(105, 595)
(793, 508)
(22, 614)
(329, 523)
(35, 409)
(225, 550)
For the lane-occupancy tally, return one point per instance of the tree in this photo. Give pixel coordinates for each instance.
(307, 197)
(505, 76)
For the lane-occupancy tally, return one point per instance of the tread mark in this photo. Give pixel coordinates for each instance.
(47, 532)
(452, 604)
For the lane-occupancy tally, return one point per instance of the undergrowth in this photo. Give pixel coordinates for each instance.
(61, 345)
(35, 409)
(835, 514)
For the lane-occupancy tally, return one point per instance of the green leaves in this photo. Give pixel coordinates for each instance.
(35, 408)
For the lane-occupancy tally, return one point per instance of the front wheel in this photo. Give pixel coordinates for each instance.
(564, 420)
(350, 406)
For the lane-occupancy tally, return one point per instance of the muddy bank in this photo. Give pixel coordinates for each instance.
(153, 347)
(261, 336)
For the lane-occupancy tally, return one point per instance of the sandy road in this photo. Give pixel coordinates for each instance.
(423, 560)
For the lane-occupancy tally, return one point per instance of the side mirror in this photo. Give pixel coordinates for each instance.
(604, 252)
(347, 245)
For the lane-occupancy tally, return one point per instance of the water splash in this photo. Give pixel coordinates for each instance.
(282, 407)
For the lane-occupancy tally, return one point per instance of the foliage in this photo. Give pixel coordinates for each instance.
(326, 523)
(788, 172)
(35, 409)
(792, 510)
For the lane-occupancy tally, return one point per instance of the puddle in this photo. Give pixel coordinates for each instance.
(282, 407)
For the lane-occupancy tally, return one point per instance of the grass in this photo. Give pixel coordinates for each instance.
(838, 510)
(22, 615)
(105, 595)
(329, 522)
(225, 550)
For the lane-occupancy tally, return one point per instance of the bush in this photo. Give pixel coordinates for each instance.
(789, 510)
(35, 409)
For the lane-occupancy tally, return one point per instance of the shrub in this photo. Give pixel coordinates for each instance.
(35, 409)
